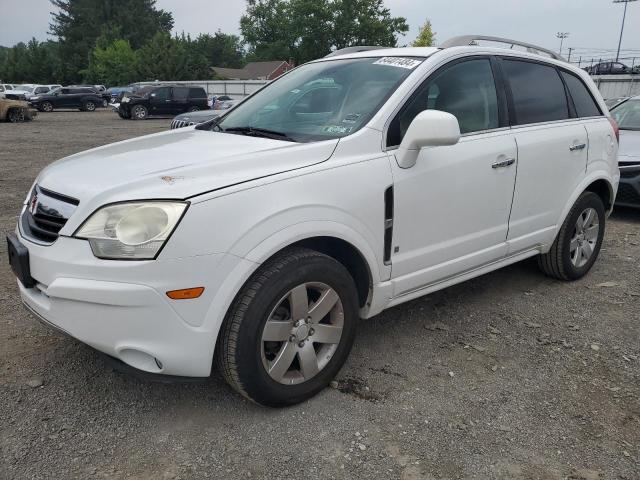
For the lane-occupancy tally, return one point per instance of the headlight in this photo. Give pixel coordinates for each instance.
(131, 231)
(125, 100)
(34, 98)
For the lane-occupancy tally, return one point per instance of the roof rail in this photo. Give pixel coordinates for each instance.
(466, 40)
(344, 51)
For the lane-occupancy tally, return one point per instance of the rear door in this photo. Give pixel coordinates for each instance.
(65, 99)
(179, 100)
(552, 151)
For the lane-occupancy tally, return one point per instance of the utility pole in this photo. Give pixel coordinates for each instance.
(562, 36)
(624, 16)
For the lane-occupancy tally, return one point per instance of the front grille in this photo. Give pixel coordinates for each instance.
(180, 123)
(46, 213)
(627, 195)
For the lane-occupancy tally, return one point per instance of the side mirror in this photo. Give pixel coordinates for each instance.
(430, 128)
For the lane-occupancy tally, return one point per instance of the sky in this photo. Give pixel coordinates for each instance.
(593, 25)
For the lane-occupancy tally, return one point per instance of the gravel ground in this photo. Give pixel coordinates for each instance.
(508, 376)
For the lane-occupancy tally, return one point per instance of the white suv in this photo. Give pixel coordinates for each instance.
(351, 184)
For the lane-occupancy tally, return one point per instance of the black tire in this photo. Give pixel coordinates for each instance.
(139, 112)
(124, 115)
(89, 106)
(46, 107)
(193, 109)
(239, 346)
(15, 115)
(557, 262)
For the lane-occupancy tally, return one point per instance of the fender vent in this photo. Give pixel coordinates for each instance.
(388, 224)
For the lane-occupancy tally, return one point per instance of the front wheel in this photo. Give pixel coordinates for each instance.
(578, 243)
(46, 107)
(139, 112)
(290, 329)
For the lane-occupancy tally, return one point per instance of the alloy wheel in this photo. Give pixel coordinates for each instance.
(585, 237)
(302, 333)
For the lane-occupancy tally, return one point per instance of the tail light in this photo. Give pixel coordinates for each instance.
(616, 129)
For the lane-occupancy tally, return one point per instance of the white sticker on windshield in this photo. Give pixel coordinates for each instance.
(400, 62)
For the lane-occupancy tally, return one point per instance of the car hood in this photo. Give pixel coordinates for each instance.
(198, 116)
(177, 164)
(629, 146)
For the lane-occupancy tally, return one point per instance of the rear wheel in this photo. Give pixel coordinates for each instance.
(193, 109)
(578, 243)
(89, 106)
(139, 112)
(290, 329)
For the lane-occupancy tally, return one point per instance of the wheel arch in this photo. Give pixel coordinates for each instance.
(604, 190)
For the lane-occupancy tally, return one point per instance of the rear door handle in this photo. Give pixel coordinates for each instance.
(577, 146)
(504, 163)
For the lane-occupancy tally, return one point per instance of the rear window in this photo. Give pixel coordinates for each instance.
(197, 93)
(538, 92)
(585, 105)
(180, 93)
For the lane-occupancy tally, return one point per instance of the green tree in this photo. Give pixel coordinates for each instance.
(163, 58)
(220, 49)
(29, 62)
(426, 37)
(79, 23)
(112, 63)
(308, 29)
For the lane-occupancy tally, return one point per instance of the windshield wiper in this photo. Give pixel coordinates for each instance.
(260, 132)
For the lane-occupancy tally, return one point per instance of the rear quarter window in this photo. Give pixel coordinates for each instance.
(197, 93)
(584, 102)
(180, 93)
(538, 92)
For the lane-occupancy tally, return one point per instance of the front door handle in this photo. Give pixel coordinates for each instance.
(577, 146)
(504, 163)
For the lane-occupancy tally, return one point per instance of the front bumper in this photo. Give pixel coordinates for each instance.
(629, 189)
(121, 308)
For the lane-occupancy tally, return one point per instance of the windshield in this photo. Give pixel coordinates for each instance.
(627, 115)
(320, 101)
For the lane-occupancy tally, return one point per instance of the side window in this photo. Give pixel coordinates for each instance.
(197, 93)
(1, 88)
(466, 90)
(585, 105)
(65, 91)
(162, 94)
(538, 92)
(180, 93)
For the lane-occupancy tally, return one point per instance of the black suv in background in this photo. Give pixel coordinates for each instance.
(162, 100)
(86, 99)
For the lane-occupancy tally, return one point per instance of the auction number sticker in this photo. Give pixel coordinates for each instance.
(400, 62)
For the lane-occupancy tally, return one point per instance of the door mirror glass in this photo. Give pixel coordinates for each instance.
(430, 128)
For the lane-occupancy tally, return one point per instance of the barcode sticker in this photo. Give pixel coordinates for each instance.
(400, 62)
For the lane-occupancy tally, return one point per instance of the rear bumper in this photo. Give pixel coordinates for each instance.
(629, 189)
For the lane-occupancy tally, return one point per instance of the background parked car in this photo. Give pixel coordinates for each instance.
(224, 102)
(86, 99)
(608, 68)
(31, 90)
(116, 93)
(162, 100)
(101, 90)
(194, 118)
(15, 111)
(4, 87)
(627, 114)
(612, 102)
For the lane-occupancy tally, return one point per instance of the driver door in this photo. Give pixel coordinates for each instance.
(160, 101)
(452, 207)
